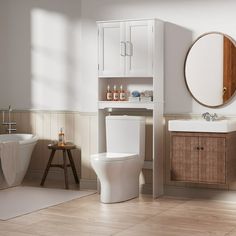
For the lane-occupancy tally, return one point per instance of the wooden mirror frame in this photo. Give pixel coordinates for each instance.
(185, 62)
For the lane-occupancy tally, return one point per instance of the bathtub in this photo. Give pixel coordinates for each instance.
(26, 146)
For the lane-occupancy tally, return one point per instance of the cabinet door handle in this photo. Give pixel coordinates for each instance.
(122, 48)
(129, 48)
(202, 148)
(198, 148)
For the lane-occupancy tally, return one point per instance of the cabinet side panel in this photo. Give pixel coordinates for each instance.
(231, 160)
(158, 121)
(101, 131)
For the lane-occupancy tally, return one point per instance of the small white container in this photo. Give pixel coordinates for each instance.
(145, 99)
(133, 99)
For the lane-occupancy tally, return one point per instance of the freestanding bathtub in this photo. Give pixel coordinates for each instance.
(26, 146)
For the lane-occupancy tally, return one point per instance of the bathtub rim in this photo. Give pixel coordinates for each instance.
(33, 139)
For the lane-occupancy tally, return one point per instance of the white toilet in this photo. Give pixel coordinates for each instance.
(118, 169)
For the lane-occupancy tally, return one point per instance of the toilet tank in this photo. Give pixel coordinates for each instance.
(125, 134)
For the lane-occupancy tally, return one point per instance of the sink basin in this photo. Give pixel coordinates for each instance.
(200, 125)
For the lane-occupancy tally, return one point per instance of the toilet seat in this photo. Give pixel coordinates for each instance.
(112, 156)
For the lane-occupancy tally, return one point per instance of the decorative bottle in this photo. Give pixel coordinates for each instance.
(122, 94)
(61, 138)
(115, 94)
(108, 94)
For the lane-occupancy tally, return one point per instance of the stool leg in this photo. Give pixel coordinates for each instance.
(65, 169)
(47, 168)
(73, 166)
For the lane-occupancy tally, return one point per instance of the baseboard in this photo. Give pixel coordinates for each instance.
(88, 184)
(145, 188)
(58, 175)
(204, 193)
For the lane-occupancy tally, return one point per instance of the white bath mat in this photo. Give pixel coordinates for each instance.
(22, 200)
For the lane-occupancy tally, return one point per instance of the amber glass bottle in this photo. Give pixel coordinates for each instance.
(115, 94)
(61, 138)
(121, 94)
(108, 94)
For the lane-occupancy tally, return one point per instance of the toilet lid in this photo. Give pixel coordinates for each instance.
(111, 156)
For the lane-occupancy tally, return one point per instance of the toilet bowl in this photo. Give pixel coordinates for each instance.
(118, 169)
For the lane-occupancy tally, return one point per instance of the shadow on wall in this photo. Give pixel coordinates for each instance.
(177, 42)
(43, 55)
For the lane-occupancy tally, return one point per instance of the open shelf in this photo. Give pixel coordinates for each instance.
(124, 104)
(126, 77)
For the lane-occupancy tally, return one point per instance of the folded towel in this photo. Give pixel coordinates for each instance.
(8, 155)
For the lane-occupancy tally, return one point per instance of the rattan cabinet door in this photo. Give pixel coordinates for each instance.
(212, 160)
(184, 158)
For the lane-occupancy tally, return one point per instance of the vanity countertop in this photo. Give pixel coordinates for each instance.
(201, 125)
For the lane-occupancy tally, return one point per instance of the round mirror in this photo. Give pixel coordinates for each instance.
(210, 69)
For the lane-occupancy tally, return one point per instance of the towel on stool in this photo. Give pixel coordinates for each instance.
(8, 155)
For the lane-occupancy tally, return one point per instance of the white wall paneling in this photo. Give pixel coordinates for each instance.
(79, 128)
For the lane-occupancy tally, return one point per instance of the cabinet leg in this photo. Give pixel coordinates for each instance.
(73, 166)
(47, 168)
(65, 169)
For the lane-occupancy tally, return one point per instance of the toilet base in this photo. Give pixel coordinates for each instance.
(119, 192)
(105, 201)
(118, 174)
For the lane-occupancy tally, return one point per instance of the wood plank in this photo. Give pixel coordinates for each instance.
(141, 216)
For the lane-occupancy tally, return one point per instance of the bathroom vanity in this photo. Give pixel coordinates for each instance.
(203, 151)
(203, 157)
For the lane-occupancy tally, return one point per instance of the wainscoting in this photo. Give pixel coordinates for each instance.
(80, 128)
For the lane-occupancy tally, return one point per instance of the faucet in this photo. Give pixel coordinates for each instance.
(9, 123)
(209, 117)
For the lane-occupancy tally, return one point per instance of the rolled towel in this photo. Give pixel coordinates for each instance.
(8, 156)
(135, 93)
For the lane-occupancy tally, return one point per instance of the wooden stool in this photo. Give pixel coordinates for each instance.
(66, 148)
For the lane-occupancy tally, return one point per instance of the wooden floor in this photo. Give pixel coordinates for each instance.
(141, 216)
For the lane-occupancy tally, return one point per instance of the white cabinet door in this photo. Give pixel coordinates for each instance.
(111, 49)
(139, 41)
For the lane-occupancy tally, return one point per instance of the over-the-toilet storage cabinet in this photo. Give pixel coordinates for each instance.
(130, 52)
